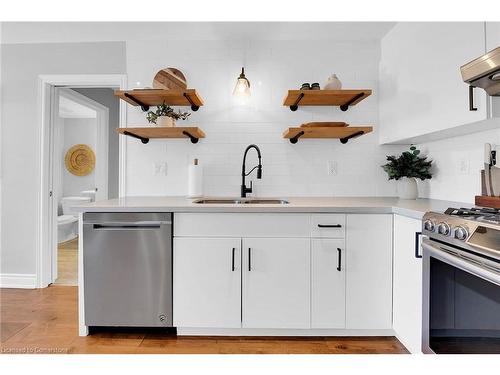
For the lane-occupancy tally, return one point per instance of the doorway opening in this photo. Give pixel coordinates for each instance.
(82, 161)
(83, 137)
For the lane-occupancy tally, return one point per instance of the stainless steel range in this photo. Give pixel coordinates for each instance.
(461, 281)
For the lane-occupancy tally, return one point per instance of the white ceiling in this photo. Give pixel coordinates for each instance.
(70, 109)
(70, 32)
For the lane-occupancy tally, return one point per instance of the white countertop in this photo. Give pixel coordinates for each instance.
(410, 208)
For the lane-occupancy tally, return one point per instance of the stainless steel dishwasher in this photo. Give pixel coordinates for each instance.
(127, 260)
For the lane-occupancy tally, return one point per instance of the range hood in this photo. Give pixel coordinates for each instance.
(484, 72)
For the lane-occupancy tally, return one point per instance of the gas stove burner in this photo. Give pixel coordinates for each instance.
(474, 212)
(493, 219)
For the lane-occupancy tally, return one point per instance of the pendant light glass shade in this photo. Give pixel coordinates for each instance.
(242, 88)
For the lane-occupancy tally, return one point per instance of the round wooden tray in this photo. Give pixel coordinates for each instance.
(324, 125)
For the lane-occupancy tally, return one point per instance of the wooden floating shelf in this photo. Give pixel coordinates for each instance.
(342, 98)
(145, 133)
(342, 133)
(151, 97)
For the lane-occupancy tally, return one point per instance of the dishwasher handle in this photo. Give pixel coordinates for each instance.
(138, 225)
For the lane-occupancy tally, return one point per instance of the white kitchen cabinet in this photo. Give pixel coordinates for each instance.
(421, 88)
(276, 283)
(407, 290)
(369, 271)
(327, 283)
(492, 42)
(492, 35)
(207, 282)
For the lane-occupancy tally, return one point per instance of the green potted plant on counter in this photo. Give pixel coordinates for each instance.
(405, 169)
(164, 115)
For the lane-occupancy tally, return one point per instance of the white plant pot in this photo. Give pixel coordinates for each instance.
(407, 188)
(165, 121)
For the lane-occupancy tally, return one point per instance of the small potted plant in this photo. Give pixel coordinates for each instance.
(405, 169)
(164, 115)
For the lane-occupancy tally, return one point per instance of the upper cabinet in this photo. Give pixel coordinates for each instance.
(492, 35)
(422, 94)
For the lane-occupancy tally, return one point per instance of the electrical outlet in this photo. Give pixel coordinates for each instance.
(463, 166)
(331, 166)
(160, 168)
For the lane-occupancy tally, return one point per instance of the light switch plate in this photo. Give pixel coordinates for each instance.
(463, 166)
(331, 166)
(160, 168)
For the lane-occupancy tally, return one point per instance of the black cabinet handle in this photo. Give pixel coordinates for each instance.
(232, 260)
(329, 226)
(471, 99)
(339, 251)
(417, 244)
(249, 259)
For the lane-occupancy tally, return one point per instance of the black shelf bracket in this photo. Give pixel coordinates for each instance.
(345, 139)
(193, 138)
(295, 138)
(144, 107)
(471, 99)
(143, 140)
(295, 106)
(344, 107)
(194, 107)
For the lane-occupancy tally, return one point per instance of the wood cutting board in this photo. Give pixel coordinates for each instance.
(324, 125)
(170, 78)
(486, 201)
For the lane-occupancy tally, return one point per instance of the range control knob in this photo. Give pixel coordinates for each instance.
(429, 225)
(461, 233)
(444, 229)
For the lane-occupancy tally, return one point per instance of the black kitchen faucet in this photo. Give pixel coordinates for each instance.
(244, 188)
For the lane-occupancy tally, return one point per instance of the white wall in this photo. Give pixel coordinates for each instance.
(21, 65)
(458, 162)
(272, 68)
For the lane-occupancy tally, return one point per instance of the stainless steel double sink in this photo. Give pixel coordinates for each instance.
(240, 201)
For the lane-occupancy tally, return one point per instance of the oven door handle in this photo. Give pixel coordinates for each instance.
(435, 251)
(417, 244)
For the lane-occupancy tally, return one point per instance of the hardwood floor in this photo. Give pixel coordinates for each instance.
(67, 263)
(46, 321)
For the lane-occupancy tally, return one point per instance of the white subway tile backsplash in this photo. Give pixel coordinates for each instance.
(449, 181)
(273, 67)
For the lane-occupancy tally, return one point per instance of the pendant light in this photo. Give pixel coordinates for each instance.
(242, 88)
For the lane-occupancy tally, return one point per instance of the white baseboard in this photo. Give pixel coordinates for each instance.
(281, 332)
(18, 280)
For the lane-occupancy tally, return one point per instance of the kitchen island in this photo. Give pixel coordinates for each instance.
(316, 266)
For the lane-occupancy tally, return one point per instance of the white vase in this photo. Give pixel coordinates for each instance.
(333, 83)
(165, 121)
(407, 188)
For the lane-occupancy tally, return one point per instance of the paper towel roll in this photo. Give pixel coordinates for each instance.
(195, 180)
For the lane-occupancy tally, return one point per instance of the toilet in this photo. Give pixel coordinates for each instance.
(67, 223)
(89, 193)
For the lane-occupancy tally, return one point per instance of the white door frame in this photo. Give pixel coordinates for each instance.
(46, 95)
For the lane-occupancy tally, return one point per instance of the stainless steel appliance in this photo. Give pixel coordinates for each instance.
(461, 281)
(127, 269)
(484, 72)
